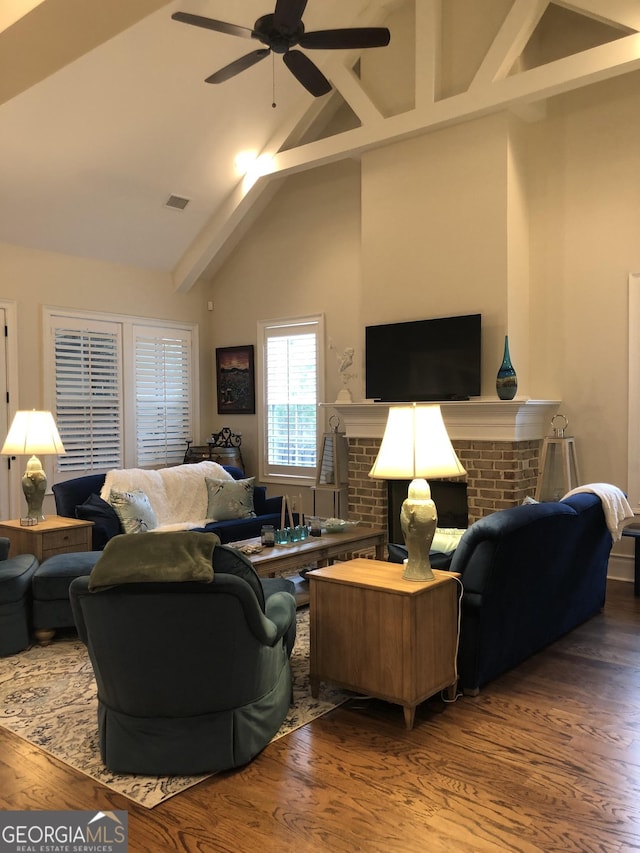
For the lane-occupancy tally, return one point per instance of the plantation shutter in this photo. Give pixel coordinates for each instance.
(88, 395)
(291, 397)
(163, 393)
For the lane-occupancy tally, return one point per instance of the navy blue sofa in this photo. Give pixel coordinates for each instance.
(530, 574)
(79, 498)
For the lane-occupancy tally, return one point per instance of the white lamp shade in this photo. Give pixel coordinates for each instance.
(32, 433)
(416, 444)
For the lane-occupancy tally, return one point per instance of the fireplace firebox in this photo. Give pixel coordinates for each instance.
(450, 499)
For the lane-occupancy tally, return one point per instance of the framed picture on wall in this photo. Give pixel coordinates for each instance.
(235, 380)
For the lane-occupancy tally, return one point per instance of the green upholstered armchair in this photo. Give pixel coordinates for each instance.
(192, 677)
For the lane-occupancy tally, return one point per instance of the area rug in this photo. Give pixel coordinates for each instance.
(48, 697)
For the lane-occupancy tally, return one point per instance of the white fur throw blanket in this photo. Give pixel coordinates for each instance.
(616, 507)
(178, 496)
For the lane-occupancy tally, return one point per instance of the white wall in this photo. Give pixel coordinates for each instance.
(434, 235)
(301, 257)
(32, 279)
(584, 244)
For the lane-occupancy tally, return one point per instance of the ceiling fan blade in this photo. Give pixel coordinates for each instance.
(288, 14)
(212, 24)
(305, 72)
(238, 65)
(355, 37)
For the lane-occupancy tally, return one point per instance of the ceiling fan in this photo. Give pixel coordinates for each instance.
(282, 31)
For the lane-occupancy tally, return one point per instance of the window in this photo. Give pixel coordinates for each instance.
(88, 394)
(121, 389)
(163, 395)
(290, 367)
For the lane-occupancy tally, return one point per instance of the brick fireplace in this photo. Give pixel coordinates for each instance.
(498, 442)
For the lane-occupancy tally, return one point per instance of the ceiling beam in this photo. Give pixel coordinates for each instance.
(490, 92)
(222, 233)
(511, 40)
(10, 13)
(428, 26)
(228, 224)
(624, 13)
(554, 78)
(348, 84)
(56, 32)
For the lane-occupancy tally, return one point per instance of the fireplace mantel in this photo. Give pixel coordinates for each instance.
(481, 419)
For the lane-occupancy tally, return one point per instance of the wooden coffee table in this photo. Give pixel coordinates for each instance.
(314, 551)
(376, 633)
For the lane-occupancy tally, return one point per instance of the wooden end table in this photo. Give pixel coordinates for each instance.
(376, 633)
(55, 535)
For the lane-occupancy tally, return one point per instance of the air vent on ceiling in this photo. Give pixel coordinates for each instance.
(177, 202)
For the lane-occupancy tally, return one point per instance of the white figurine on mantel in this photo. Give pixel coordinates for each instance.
(345, 360)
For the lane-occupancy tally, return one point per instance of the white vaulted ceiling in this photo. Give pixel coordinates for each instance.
(104, 113)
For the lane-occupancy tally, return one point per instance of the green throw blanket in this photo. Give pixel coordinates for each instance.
(156, 557)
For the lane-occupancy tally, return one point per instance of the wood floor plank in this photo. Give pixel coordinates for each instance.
(546, 758)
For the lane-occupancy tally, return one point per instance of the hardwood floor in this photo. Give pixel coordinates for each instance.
(547, 758)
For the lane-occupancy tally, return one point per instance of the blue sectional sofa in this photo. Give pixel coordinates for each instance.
(530, 574)
(79, 498)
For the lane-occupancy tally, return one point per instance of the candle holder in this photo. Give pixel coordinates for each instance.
(290, 535)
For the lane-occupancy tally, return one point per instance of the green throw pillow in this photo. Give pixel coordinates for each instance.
(133, 510)
(170, 557)
(230, 499)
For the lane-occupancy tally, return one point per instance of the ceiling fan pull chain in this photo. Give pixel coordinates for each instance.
(273, 79)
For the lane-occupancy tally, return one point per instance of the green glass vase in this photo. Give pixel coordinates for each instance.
(507, 379)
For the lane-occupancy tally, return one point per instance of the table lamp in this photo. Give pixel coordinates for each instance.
(30, 433)
(415, 446)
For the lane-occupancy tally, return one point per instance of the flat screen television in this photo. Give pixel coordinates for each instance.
(424, 360)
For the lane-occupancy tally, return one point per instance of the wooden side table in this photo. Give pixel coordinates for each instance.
(376, 633)
(55, 535)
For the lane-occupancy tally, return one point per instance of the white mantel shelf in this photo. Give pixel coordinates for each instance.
(481, 419)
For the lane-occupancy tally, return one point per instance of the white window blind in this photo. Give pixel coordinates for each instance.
(88, 395)
(291, 396)
(163, 392)
(123, 389)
